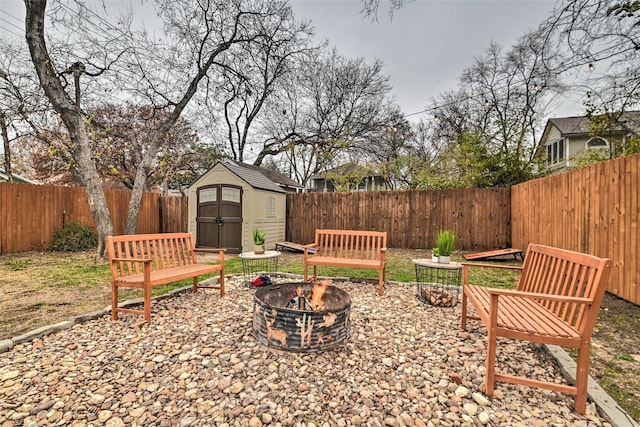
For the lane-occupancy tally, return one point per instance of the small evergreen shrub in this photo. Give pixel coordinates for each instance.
(73, 237)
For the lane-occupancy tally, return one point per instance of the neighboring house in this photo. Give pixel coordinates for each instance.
(347, 177)
(232, 199)
(565, 139)
(15, 177)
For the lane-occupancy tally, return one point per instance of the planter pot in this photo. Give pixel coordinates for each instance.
(444, 259)
(258, 249)
(434, 258)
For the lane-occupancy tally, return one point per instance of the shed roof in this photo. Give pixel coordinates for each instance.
(252, 175)
(278, 178)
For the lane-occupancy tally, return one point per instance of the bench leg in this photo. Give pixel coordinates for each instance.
(114, 302)
(582, 378)
(306, 274)
(491, 348)
(381, 283)
(147, 303)
(463, 317)
(195, 284)
(222, 283)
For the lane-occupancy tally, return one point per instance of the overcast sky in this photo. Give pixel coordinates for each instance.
(428, 43)
(424, 48)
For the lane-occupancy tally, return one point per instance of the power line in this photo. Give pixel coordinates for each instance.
(11, 31)
(12, 16)
(11, 23)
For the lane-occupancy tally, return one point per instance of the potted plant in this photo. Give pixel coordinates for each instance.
(445, 242)
(258, 241)
(435, 253)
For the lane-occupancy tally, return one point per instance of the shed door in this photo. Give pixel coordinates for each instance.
(219, 218)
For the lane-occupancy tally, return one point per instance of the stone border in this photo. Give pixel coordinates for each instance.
(605, 405)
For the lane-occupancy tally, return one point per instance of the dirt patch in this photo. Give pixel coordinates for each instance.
(38, 289)
(615, 352)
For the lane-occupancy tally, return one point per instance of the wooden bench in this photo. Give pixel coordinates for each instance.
(556, 301)
(347, 248)
(146, 260)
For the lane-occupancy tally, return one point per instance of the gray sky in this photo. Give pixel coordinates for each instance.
(424, 48)
(428, 43)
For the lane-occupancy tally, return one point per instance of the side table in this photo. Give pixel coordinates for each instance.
(438, 284)
(255, 264)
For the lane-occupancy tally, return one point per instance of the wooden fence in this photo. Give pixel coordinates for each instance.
(481, 218)
(30, 213)
(593, 209)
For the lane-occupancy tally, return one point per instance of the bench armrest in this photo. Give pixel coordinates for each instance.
(310, 245)
(536, 295)
(145, 260)
(210, 249)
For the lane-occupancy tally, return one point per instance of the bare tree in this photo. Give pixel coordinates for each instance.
(597, 42)
(500, 102)
(23, 107)
(330, 106)
(70, 112)
(166, 71)
(253, 77)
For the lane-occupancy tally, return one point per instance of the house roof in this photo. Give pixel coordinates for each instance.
(346, 169)
(629, 121)
(252, 175)
(16, 178)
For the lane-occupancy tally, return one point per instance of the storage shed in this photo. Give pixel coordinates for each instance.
(232, 199)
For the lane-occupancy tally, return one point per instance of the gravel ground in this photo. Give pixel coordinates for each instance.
(405, 364)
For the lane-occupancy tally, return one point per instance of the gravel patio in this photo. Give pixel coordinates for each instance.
(405, 364)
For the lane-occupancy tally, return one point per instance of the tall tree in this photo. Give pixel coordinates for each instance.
(500, 101)
(330, 106)
(255, 75)
(596, 42)
(70, 112)
(23, 108)
(166, 72)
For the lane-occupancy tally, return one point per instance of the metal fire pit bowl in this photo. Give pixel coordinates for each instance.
(276, 326)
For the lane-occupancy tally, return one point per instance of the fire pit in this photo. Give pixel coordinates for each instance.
(301, 316)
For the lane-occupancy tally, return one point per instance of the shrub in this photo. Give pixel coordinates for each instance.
(445, 242)
(258, 236)
(73, 237)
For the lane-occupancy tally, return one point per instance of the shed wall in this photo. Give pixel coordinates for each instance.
(254, 207)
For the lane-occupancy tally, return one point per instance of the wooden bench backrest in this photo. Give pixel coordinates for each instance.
(350, 244)
(562, 272)
(166, 250)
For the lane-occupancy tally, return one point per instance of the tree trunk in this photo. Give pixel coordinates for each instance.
(72, 117)
(7, 152)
